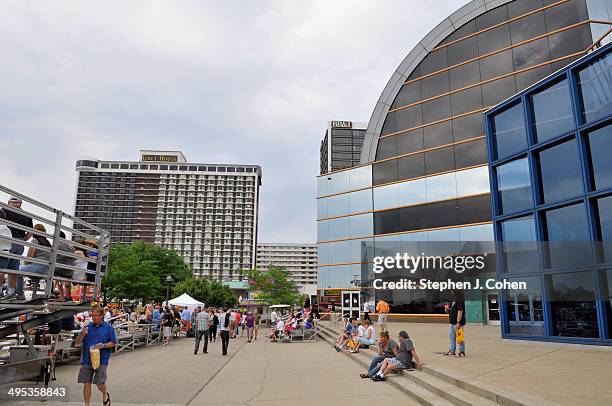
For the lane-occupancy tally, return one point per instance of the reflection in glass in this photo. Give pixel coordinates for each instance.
(440, 160)
(594, 84)
(519, 245)
(524, 313)
(323, 253)
(607, 298)
(514, 186)
(412, 192)
(338, 182)
(361, 225)
(413, 218)
(338, 228)
(384, 172)
(360, 201)
(322, 183)
(572, 304)
(560, 171)
(604, 227)
(360, 177)
(600, 151)
(338, 205)
(322, 230)
(568, 235)
(386, 222)
(321, 208)
(362, 250)
(434, 85)
(441, 187)
(411, 141)
(509, 131)
(470, 153)
(339, 252)
(472, 181)
(386, 197)
(552, 111)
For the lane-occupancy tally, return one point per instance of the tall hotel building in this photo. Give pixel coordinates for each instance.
(299, 259)
(423, 173)
(341, 146)
(207, 213)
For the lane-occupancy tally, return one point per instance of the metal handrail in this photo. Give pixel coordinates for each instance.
(101, 237)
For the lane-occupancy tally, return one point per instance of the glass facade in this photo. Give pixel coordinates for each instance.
(424, 166)
(553, 206)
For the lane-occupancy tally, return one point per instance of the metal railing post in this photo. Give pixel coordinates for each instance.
(53, 259)
(101, 253)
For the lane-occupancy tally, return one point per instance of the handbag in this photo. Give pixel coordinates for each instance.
(353, 343)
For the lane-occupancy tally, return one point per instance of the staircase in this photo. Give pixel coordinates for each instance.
(435, 387)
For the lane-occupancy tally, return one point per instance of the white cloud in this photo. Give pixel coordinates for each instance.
(246, 82)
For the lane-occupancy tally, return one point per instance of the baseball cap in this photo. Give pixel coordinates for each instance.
(403, 333)
(15, 199)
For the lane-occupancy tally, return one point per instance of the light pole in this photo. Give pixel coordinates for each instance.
(168, 281)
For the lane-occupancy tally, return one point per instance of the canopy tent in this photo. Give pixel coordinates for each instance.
(185, 300)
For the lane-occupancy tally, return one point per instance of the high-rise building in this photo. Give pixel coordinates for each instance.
(299, 259)
(423, 173)
(341, 146)
(207, 213)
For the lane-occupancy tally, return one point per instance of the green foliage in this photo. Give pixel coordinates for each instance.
(274, 286)
(138, 271)
(212, 293)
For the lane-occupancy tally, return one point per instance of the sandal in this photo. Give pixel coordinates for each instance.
(107, 402)
(449, 353)
(364, 376)
(460, 354)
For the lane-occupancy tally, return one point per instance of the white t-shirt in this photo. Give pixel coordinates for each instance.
(5, 232)
(366, 307)
(107, 316)
(361, 331)
(273, 316)
(280, 325)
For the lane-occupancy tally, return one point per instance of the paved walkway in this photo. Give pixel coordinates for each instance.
(564, 373)
(257, 373)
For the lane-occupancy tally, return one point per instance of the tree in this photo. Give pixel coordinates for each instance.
(211, 293)
(138, 271)
(274, 286)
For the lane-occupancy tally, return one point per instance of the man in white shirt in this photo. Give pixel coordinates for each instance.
(273, 317)
(5, 246)
(366, 311)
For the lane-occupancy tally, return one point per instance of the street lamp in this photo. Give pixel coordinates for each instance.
(168, 281)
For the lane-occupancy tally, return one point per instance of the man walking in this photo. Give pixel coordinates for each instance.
(366, 311)
(101, 335)
(202, 324)
(15, 283)
(456, 313)
(225, 330)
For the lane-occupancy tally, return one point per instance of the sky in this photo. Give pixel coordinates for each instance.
(247, 82)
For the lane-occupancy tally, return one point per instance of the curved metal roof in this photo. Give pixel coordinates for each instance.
(451, 23)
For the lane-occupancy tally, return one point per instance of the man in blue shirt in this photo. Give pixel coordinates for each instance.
(156, 317)
(98, 334)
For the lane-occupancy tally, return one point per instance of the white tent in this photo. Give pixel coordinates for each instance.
(185, 300)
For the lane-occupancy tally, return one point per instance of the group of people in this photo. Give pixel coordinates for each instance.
(392, 355)
(40, 249)
(283, 325)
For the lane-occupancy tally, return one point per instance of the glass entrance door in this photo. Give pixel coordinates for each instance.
(350, 303)
(493, 309)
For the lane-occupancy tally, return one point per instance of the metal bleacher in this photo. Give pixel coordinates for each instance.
(20, 357)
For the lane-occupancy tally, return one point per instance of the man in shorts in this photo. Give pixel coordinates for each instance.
(382, 308)
(100, 334)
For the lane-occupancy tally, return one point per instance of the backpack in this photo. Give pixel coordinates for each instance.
(215, 320)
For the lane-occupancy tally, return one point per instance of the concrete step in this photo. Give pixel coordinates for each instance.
(454, 394)
(414, 390)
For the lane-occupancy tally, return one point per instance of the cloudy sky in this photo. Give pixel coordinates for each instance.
(223, 81)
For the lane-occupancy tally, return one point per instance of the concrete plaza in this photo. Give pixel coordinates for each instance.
(265, 373)
(257, 373)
